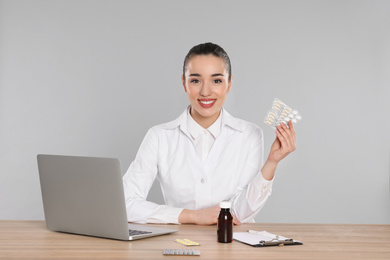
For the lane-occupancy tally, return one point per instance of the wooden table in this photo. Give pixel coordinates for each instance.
(31, 240)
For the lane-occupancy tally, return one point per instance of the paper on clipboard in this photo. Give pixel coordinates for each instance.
(260, 238)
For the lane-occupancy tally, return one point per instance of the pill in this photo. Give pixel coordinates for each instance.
(298, 117)
(295, 112)
(294, 121)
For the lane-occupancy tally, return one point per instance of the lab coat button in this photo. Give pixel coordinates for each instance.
(202, 180)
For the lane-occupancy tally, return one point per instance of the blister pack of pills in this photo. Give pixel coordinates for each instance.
(186, 242)
(281, 113)
(186, 252)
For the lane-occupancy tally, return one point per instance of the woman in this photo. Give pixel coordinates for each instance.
(205, 156)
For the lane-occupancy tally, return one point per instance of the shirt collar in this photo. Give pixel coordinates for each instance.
(215, 128)
(193, 127)
(231, 121)
(196, 130)
(225, 117)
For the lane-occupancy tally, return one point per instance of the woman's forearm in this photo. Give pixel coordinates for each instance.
(268, 170)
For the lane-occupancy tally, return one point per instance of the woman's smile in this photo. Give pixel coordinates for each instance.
(206, 102)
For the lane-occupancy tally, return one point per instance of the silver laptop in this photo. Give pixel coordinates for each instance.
(84, 195)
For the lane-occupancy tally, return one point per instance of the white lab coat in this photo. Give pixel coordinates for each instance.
(231, 172)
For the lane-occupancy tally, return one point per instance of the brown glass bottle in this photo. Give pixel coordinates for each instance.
(225, 223)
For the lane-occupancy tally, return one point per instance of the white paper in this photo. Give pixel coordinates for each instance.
(254, 239)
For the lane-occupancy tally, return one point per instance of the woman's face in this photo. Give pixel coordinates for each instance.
(206, 83)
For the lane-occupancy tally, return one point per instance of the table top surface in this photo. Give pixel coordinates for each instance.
(31, 240)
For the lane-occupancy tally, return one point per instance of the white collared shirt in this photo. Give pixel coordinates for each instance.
(230, 172)
(202, 138)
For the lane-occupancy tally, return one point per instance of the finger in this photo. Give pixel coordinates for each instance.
(290, 125)
(282, 140)
(287, 141)
(236, 221)
(292, 135)
(287, 130)
(291, 138)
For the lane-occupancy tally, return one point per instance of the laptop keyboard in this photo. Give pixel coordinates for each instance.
(133, 232)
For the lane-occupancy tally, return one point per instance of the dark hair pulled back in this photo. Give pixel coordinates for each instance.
(207, 49)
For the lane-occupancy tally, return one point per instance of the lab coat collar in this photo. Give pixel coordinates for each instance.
(196, 130)
(227, 120)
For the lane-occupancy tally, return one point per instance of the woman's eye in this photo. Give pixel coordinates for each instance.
(194, 81)
(217, 81)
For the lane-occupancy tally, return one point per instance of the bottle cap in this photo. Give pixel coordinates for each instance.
(225, 205)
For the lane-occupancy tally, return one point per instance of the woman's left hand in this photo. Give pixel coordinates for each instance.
(284, 143)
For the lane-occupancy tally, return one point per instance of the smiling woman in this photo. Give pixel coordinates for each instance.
(205, 156)
(207, 84)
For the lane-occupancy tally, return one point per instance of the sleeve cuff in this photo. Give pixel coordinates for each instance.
(262, 184)
(166, 214)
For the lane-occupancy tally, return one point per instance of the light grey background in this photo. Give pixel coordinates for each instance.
(91, 77)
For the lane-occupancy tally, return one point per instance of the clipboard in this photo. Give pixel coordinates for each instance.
(263, 238)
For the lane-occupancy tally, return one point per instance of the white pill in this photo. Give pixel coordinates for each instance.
(295, 112)
(291, 115)
(294, 121)
(287, 119)
(298, 117)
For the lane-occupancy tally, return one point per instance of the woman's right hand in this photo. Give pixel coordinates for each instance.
(207, 216)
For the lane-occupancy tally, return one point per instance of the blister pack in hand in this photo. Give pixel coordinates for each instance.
(281, 113)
